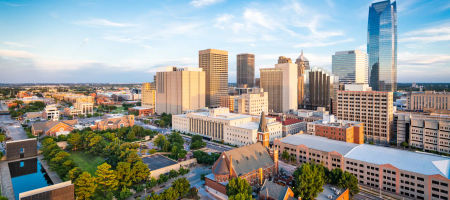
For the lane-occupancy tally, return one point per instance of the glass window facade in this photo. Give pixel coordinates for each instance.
(382, 46)
(350, 66)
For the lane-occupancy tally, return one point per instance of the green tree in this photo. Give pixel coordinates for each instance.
(125, 193)
(182, 186)
(241, 196)
(85, 186)
(73, 174)
(285, 155)
(140, 172)
(238, 186)
(106, 178)
(159, 141)
(124, 175)
(74, 140)
(308, 181)
(170, 193)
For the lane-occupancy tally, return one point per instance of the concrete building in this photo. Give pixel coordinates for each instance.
(321, 87)
(281, 84)
(148, 96)
(302, 65)
(351, 66)
(142, 111)
(426, 132)
(51, 113)
(219, 124)
(291, 126)
(346, 131)
(429, 101)
(374, 109)
(245, 70)
(179, 90)
(84, 105)
(388, 170)
(215, 64)
(253, 103)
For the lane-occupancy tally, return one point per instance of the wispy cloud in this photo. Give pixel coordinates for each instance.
(104, 23)
(427, 35)
(202, 3)
(16, 44)
(322, 44)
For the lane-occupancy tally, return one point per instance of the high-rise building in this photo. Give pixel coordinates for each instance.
(179, 90)
(374, 109)
(283, 59)
(320, 88)
(350, 66)
(148, 95)
(302, 65)
(215, 64)
(281, 85)
(382, 45)
(245, 70)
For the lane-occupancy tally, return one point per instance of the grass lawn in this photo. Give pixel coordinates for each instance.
(86, 161)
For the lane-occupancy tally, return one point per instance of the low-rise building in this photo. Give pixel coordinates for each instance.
(219, 124)
(429, 101)
(346, 131)
(427, 132)
(291, 125)
(142, 111)
(51, 113)
(405, 173)
(271, 190)
(114, 122)
(53, 128)
(253, 103)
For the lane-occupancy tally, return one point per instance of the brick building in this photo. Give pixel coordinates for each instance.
(53, 128)
(114, 122)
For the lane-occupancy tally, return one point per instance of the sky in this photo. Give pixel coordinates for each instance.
(127, 41)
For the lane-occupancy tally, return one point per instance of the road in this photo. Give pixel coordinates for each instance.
(165, 131)
(12, 127)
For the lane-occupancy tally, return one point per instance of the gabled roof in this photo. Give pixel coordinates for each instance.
(45, 126)
(273, 190)
(221, 167)
(248, 158)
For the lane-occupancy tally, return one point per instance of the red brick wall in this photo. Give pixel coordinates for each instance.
(217, 186)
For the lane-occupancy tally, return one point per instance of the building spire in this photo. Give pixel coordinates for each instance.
(262, 123)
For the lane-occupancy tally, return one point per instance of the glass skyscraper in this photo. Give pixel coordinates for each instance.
(350, 66)
(382, 46)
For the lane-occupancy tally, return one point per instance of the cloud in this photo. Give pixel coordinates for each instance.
(428, 35)
(203, 3)
(104, 23)
(16, 44)
(322, 44)
(15, 54)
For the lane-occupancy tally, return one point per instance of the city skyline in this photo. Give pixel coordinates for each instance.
(122, 42)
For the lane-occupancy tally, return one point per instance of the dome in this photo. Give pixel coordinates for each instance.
(302, 57)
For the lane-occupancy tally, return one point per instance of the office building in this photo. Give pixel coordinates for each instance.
(350, 66)
(382, 45)
(388, 170)
(429, 101)
(302, 65)
(374, 109)
(283, 59)
(51, 113)
(215, 65)
(179, 90)
(253, 103)
(321, 87)
(221, 125)
(329, 127)
(281, 85)
(148, 96)
(245, 70)
(426, 132)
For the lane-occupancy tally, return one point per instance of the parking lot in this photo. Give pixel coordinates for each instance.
(157, 161)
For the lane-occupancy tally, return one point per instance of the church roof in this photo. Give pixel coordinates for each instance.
(301, 57)
(248, 158)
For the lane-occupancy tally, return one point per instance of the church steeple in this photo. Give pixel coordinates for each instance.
(262, 123)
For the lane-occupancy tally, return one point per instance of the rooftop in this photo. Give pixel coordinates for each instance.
(405, 160)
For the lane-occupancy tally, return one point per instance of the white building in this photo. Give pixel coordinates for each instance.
(51, 112)
(219, 124)
(350, 66)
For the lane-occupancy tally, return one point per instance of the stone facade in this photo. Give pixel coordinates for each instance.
(114, 122)
(21, 149)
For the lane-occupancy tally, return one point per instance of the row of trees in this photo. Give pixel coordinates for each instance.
(174, 144)
(239, 189)
(165, 120)
(310, 178)
(21, 108)
(181, 188)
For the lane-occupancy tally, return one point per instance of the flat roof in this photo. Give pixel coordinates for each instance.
(430, 164)
(157, 161)
(249, 125)
(319, 143)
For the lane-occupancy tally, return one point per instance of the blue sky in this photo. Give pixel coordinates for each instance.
(127, 41)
